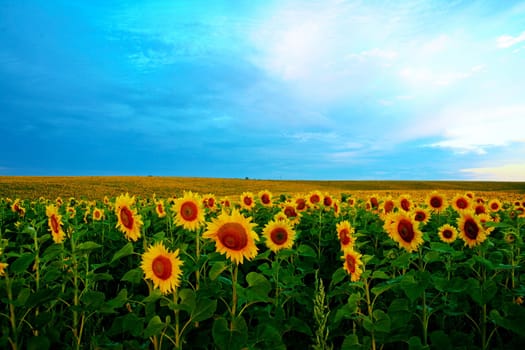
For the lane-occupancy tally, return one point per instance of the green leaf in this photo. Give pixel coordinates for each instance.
(351, 342)
(339, 275)
(154, 295)
(217, 268)
(230, 336)
(440, 340)
(38, 343)
(87, 246)
(258, 285)
(122, 252)
(155, 327)
(513, 318)
(414, 343)
(381, 288)
(381, 321)
(133, 276)
(93, 299)
(22, 297)
(204, 309)
(380, 275)
(22, 263)
(481, 293)
(306, 250)
(441, 247)
(132, 324)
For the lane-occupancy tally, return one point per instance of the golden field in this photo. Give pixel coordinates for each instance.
(96, 187)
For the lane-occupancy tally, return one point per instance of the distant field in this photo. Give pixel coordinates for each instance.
(96, 187)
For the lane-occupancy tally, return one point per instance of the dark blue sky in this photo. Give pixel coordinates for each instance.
(264, 89)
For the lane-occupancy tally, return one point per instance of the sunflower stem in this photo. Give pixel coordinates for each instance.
(12, 314)
(369, 305)
(178, 333)
(234, 291)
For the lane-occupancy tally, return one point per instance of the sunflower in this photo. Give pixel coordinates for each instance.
(405, 202)
(480, 208)
(71, 211)
(352, 264)
(387, 205)
(234, 236)
(279, 235)
(337, 207)
(403, 229)
(448, 233)
(54, 220)
(421, 215)
(470, 228)
(129, 222)
(162, 267)
(461, 202)
(3, 266)
(300, 203)
(98, 214)
(210, 202)
(314, 198)
(160, 208)
(494, 205)
(373, 202)
(327, 200)
(350, 201)
(290, 212)
(247, 201)
(345, 233)
(266, 198)
(483, 219)
(436, 201)
(189, 212)
(17, 208)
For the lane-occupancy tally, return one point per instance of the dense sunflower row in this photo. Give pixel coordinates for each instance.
(183, 240)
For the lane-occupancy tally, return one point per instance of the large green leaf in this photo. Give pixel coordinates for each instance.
(231, 335)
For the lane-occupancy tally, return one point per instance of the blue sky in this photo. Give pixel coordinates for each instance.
(264, 89)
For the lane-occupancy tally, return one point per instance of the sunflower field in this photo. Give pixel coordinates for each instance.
(263, 271)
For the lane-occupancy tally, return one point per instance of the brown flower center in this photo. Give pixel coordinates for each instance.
(55, 226)
(436, 202)
(189, 211)
(405, 204)
(462, 203)
(160, 208)
(126, 216)
(471, 229)
(344, 236)
(389, 206)
(314, 199)
(289, 211)
(161, 267)
(265, 198)
(327, 201)
(247, 201)
(420, 216)
(300, 204)
(233, 236)
(406, 230)
(447, 234)
(279, 235)
(350, 263)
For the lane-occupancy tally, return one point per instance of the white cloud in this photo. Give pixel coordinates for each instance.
(505, 172)
(468, 129)
(506, 41)
(428, 75)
